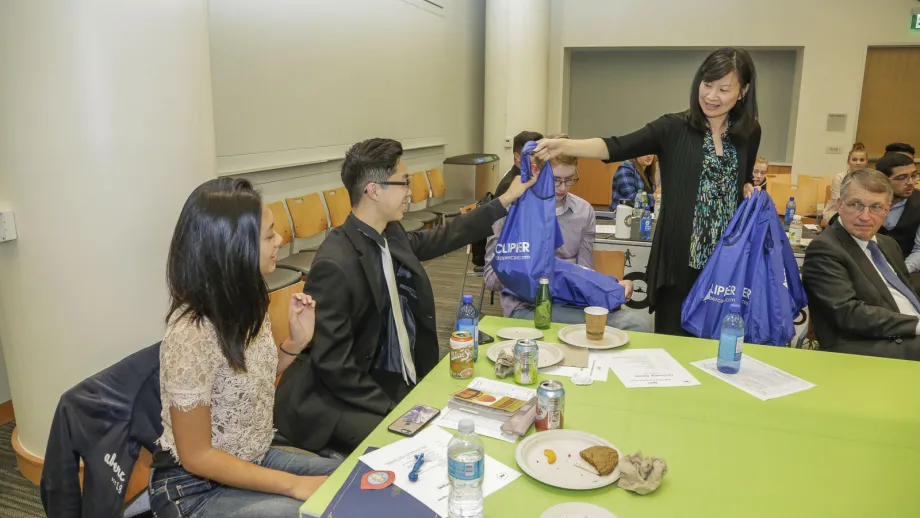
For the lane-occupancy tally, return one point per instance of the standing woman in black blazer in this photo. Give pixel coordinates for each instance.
(706, 156)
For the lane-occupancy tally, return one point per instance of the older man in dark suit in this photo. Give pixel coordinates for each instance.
(376, 335)
(859, 291)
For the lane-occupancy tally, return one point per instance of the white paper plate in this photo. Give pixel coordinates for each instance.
(520, 333)
(576, 335)
(577, 510)
(550, 354)
(563, 473)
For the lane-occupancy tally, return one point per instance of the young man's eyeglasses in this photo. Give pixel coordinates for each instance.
(568, 182)
(857, 207)
(404, 184)
(915, 177)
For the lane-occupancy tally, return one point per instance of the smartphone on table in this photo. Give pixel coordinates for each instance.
(414, 420)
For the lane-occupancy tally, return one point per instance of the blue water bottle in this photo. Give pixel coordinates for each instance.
(730, 340)
(468, 320)
(790, 213)
(645, 225)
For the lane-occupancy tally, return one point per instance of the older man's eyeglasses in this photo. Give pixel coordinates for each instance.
(857, 207)
(568, 182)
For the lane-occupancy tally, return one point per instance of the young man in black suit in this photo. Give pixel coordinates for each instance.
(859, 292)
(364, 357)
(903, 219)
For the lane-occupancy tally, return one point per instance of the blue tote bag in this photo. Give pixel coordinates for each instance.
(526, 247)
(582, 287)
(728, 277)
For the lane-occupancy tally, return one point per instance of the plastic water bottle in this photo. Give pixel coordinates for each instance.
(465, 461)
(657, 204)
(795, 230)
(730, 340)
(638, 205)
(645, 225)
(790, 212)
(468, 320)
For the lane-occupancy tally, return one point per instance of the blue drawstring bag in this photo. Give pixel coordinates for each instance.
(526, 250)
(752, 265)
(582, 287)
(526, 247)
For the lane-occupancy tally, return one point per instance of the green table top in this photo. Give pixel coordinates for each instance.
(848, 447)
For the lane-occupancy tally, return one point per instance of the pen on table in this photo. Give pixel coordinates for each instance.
(419, 460)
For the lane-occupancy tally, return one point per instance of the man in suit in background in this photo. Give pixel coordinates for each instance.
(365, 356)
(903, 220)
(858, 288)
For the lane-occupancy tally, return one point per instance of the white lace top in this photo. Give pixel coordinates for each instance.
(194, 372)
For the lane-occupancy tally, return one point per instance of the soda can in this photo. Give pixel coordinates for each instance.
(550, 406)
(526, 354)
(461, 354)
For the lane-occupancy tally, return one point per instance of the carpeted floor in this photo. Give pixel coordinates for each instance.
(20, 499)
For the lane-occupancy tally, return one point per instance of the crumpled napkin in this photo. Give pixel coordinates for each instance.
(505, 364)
(640, 474)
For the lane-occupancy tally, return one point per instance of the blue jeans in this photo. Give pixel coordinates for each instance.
(625, 319)
(176, 493)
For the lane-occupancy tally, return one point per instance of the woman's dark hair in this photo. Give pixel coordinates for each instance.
(720, 63)
(213, 266)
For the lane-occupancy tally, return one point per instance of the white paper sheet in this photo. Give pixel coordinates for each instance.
(811, 227)
(641, 368)
(596, 368)
(757, 378)
(605, 229)
(804, 242)
(432, 487)
(485, 425)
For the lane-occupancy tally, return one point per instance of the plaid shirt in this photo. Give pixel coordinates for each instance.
(626, 184)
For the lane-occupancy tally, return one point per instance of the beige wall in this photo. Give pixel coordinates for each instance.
(431, 99)
(833, 33)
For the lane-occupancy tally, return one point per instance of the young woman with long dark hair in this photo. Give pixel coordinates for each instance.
(706, 158)
(218, 364)
(632, 176)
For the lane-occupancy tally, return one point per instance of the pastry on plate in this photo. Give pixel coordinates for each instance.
(603, 458)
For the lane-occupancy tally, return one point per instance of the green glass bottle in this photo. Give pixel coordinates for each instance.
(543, 307)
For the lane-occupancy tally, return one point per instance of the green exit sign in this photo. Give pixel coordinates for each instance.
(915, 22)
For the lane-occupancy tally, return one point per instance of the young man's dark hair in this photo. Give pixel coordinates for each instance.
(890, 160)
(900, 147)
(523, 138)
(371, 161)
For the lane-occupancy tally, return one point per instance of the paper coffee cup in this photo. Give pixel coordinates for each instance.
(595, 322)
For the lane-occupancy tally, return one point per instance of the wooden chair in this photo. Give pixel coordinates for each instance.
(780, 192)
(298, 262)
(445, 208)
(418, 193)
(339, 205)
(806, 201)
(610, 262)
(278, 303)
(281, 277)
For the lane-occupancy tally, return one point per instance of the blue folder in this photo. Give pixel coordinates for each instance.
(353, 502)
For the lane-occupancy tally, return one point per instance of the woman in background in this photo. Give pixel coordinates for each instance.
(761, 166)
(707, 160)
(632, 176)
(857, 159)
(218, 364)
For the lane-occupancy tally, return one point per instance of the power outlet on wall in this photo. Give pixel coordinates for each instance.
(508, 142)
(834, 150)
(7, 226)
